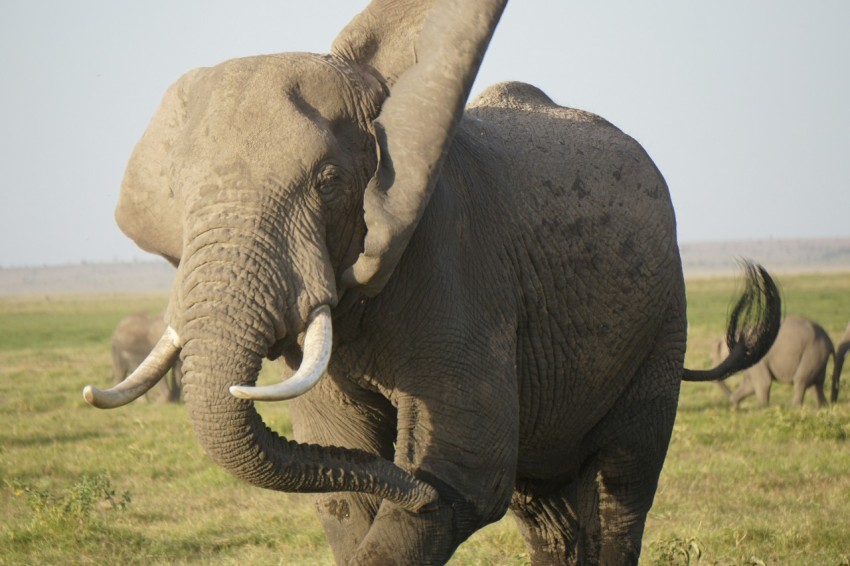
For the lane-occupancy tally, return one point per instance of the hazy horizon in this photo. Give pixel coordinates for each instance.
(743, 106)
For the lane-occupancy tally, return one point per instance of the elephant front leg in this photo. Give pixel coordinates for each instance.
(462, 441)
(346, 519)
(743, 391)
(399, 537)
(332, 415)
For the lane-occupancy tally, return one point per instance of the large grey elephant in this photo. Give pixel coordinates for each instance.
(132, 340)
(503, 328)
(798, 357)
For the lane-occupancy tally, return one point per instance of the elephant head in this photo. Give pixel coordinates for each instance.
(253, 178)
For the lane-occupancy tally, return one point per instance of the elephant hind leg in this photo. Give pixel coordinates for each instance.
(628, 449)
(744, 390)
(758, 381)
(820, 394)
(549, 526)
(600, 517)
(799, 392)
(597, 519)
(818, 385)
(805, 377)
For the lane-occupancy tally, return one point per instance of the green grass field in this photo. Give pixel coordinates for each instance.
(132, 486)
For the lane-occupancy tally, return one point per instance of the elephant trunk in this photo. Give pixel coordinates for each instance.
(229, 318)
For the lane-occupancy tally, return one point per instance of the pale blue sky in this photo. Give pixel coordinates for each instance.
(742, 104)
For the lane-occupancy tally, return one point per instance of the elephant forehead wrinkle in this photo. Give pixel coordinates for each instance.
(279, 114)
(334, 89)
(322, 89)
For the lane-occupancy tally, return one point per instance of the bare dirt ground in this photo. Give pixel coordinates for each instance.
(701, 259)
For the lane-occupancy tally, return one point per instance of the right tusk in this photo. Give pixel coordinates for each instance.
(148, 374)
(318, 339)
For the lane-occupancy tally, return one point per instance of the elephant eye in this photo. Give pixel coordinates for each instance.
(331, 184)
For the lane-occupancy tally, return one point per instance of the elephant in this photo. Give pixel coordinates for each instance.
(132, 340)
(798, 357)
(719, 351)
(841, 353)
(479, 307)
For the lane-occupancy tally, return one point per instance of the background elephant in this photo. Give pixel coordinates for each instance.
(841, 352)
(798, 357)
(482, 310)
(718, 352)
(132, 340)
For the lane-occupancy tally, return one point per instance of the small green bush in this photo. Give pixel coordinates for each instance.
(675, 551)
(78, 505)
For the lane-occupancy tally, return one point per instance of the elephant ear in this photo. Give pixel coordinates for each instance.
(147, 211)
(418, 120)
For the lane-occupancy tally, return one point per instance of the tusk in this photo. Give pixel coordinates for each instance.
(148, 374)
(318, 339)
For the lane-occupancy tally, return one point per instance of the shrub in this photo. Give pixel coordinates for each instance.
(77, 505)
(676, 551)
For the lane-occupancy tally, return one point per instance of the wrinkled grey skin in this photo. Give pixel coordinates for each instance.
(509, 312)
(132, 340)
(798, 358)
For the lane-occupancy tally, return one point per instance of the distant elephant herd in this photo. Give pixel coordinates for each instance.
(799, 357)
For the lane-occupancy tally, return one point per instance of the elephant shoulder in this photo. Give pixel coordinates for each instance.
(519, 96)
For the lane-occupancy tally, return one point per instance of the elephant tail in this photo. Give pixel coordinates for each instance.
(838, 362)
(752, 327)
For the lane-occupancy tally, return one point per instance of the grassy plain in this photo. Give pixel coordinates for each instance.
(132, 486)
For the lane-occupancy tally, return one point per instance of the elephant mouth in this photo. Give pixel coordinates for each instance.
(234, 435)
(318, 340)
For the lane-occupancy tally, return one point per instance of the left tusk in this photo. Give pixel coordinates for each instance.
(318, 339)
(148, 374)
